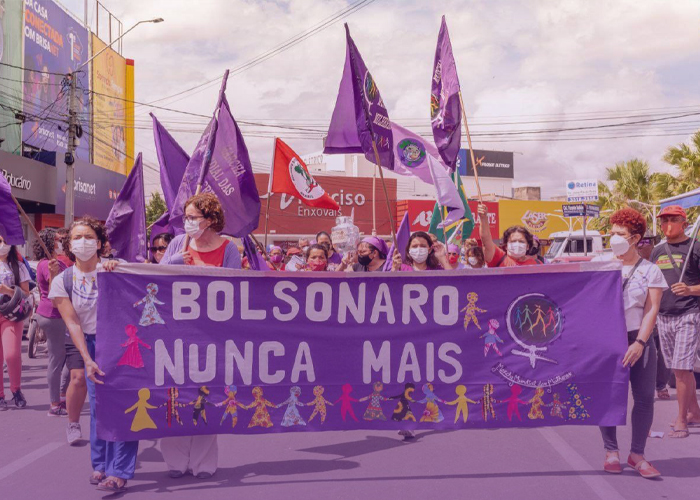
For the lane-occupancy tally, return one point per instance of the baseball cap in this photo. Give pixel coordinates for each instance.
(673, 210)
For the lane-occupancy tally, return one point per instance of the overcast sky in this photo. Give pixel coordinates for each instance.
(545, 61)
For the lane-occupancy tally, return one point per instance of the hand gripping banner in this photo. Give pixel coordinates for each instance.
(189, 350)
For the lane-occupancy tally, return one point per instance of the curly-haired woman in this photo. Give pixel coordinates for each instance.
(49, 318)
(642, 288)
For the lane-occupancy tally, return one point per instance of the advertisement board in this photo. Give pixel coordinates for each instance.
(420, 212)
(582, 190)
(289, 216)
(54, 44)
(489, 163)
(96, 189)
(108, 108)
(541, 218)
(11, 78)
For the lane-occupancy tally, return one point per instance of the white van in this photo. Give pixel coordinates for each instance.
(567, 246)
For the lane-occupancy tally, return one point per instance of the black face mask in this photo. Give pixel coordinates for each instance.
(364, 260)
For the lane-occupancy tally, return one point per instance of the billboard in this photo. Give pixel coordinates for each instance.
(11, 78)
(493, 163)
(54, 44)
(541, 218)
(108, 109)
(420, 212)
(96, 189)
(289, 216)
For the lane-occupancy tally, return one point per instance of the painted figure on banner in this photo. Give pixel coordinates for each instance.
(514, 402)
(432, 412)
(132, 355)
(462, 403)
(200, 405)
(470, 311)
(403, 407)
(491, 338)
(231, 404)
(537, 403)
(319, 403)
(171, 407)
(487, 401)
(291, 415)
(346, 402)
(150, 315)
(261, 417)
(142, 420)
(558, 407)
(577, 410)
(374, 408)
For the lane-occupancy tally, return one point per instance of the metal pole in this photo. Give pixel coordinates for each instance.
(585, 223)
(653, 216)
(374, 202)
(69, 158)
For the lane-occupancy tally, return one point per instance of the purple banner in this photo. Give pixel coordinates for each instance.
(189, 350)
(54, 44)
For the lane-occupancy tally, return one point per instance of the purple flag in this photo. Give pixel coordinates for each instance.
(255, 259)
(402, 236)
(173, 161)
(359, 115)
(445, 109)
(221, 164)
(10, 225)
(126, 223)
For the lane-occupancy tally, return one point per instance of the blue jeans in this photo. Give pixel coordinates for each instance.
(117, 458)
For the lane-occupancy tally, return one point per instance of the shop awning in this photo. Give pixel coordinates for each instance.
(686, 200)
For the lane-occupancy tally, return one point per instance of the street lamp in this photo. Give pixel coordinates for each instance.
(652, 212)
(69, 159)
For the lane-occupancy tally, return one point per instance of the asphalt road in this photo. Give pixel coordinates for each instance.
(513, 464)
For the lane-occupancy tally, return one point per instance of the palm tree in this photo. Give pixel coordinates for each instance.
(686, 159)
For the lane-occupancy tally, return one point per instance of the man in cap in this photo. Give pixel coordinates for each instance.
(678, 321)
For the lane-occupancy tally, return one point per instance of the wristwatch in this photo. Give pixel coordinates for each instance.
(644, 344)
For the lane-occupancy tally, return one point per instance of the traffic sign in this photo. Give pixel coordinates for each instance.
(592, 210)
(573, 210)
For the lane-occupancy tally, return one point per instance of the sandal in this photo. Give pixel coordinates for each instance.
(112, 485)
(97, 477)
(612, 464)
(679, 433)
(663, 394)
(645, 469)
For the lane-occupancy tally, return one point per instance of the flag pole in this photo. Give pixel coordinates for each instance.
(471, 149)
(386, 194)
(269, 187)
(31, 226)
(264, 252)
(374, 202)
(210, 146)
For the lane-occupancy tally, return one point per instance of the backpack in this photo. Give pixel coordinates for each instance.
(68, 282)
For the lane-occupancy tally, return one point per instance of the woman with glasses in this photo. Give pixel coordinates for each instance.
(159, 246)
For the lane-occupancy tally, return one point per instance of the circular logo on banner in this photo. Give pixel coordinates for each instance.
(304, 183)
(411, 152)
(571, 185)
(371, 91)
(534, 321)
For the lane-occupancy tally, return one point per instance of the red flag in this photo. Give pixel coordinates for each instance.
(290, 176)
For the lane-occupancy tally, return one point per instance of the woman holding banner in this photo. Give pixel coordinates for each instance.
(642, 287)
(517, 242)
(159, 246)
(74, 293)
(421, 254)
(317, 258)
(204, 219)
(334, 258)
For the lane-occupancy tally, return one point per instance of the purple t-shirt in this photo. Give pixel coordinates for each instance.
(46, 308)
(334, 261)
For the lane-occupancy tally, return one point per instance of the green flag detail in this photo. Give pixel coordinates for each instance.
(466, 223)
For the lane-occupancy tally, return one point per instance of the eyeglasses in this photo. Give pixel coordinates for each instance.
(192, 218)
(159, 249)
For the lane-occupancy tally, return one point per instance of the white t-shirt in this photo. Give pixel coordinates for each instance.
(646, 276)
(7, 277)
(84, 296)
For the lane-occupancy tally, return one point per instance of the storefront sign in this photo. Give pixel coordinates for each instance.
(582, 190)
(489, 163)
(30, 180)
(95, 188)
(420, 212)
(541, 218)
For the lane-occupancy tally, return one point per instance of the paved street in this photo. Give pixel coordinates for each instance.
(565, 462)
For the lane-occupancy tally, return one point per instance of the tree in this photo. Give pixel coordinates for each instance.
(155, 208)
(626, 181)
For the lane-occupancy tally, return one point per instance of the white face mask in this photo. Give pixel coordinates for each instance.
(473, 261)
(59, 248)
(517, 249)
(192, 229)
(5, 249)
(83, 249)
(419, 255)
(619, 245)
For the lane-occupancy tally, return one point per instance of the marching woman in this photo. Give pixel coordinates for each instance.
(317, 258)
(159, 246)
(453, 258)
(475, 258)
(334, 258)
(204, 219)
(517, 241)
(13, 273)
(421, 254)
(74, 293)
(49, 319)
(642, 287)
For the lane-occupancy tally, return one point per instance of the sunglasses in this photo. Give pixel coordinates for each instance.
(159, 249)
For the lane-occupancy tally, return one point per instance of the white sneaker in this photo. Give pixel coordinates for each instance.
(74, 433)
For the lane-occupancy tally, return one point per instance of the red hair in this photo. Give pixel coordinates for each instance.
(631, 219)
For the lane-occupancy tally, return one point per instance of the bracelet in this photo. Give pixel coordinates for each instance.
(640, 341)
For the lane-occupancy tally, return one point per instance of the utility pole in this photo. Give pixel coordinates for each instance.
(69, 159)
